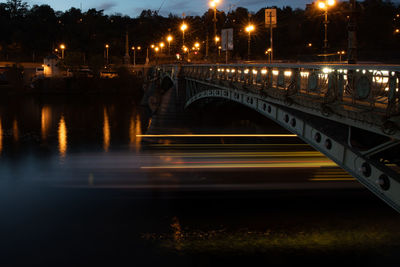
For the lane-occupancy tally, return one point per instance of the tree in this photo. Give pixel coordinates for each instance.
(17, 8)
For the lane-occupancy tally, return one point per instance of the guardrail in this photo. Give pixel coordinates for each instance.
(346, 89)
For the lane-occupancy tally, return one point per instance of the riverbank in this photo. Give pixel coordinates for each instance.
(86, 85)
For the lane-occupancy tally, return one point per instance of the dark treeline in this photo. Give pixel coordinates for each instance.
(30, 33)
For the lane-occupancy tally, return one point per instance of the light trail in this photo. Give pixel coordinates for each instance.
(311, 154)
(332, 179)
(214, 135)
(227, 145)
(247, 162)
(240, 166)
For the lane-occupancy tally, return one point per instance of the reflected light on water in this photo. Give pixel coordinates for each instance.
(134, 132)
(15, 130)
(216, 135)
(106, 131)
(240, 160)
(62, 137)
(45, 121)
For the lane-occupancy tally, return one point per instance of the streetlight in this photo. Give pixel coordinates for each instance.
(325, 5)
(161, 46)
(340, 53)
(213, 4)
(107, 46)
(156, 49)
(134, 53)
(217, 39)
(169, 39)
(249, 29)
(62, 47)
(185, 50)
(183, 29)
(268, 53)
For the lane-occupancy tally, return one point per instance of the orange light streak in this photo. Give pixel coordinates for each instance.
(332, 179)
(217, 135)
(62, 137)
(246, 162)
(106, 131)
(15, 130)
(45, 122)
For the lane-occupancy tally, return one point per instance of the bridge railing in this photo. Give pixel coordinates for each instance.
(354, 87)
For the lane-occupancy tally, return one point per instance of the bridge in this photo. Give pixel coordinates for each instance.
(350, 113)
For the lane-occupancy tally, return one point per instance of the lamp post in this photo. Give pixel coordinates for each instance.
(268, 53)
(213, 4)
(185, 50)
(156, 49)
(340, 53)
(134, 53)
(217, 39)
(161, 46)
(352, 37)
(325, 5)
(183, 29)
(169, 39)
(62, 47)
(249, 29)
(107, 46)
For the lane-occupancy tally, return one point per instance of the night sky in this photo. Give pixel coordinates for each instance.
(176, 7)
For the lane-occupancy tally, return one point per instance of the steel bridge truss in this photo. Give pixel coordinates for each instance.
(332, 108)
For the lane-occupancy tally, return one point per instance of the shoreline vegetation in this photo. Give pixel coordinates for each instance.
(125, 82)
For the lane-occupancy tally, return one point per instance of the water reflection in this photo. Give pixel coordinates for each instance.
(15, 130)
(135, 132)
(1, 137)
(106, 131)
(62, 137)
(45, 121)
(177, 233)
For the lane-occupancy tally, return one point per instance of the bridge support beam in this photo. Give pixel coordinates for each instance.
(378, 177)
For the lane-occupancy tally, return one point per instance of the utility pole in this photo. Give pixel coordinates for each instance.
(207, 46)
(352, 37)
(326, 31)
(226, 47)
(126, 57)
(271, 20)
(271, 37)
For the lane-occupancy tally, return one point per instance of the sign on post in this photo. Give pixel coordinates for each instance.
(271, 22)
(270, 18)
(227, 39)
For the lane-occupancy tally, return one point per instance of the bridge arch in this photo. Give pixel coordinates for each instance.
(328, 106)
(379, 179)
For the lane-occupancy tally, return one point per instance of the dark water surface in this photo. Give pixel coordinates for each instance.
(81, 183)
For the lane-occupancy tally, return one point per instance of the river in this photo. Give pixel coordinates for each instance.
(96, 179)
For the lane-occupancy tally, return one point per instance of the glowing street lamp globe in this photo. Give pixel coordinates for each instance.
(184, 27)
(250, 28)
(321, 5)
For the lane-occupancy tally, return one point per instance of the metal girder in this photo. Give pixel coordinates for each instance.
(365, 96)
(379, 178)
